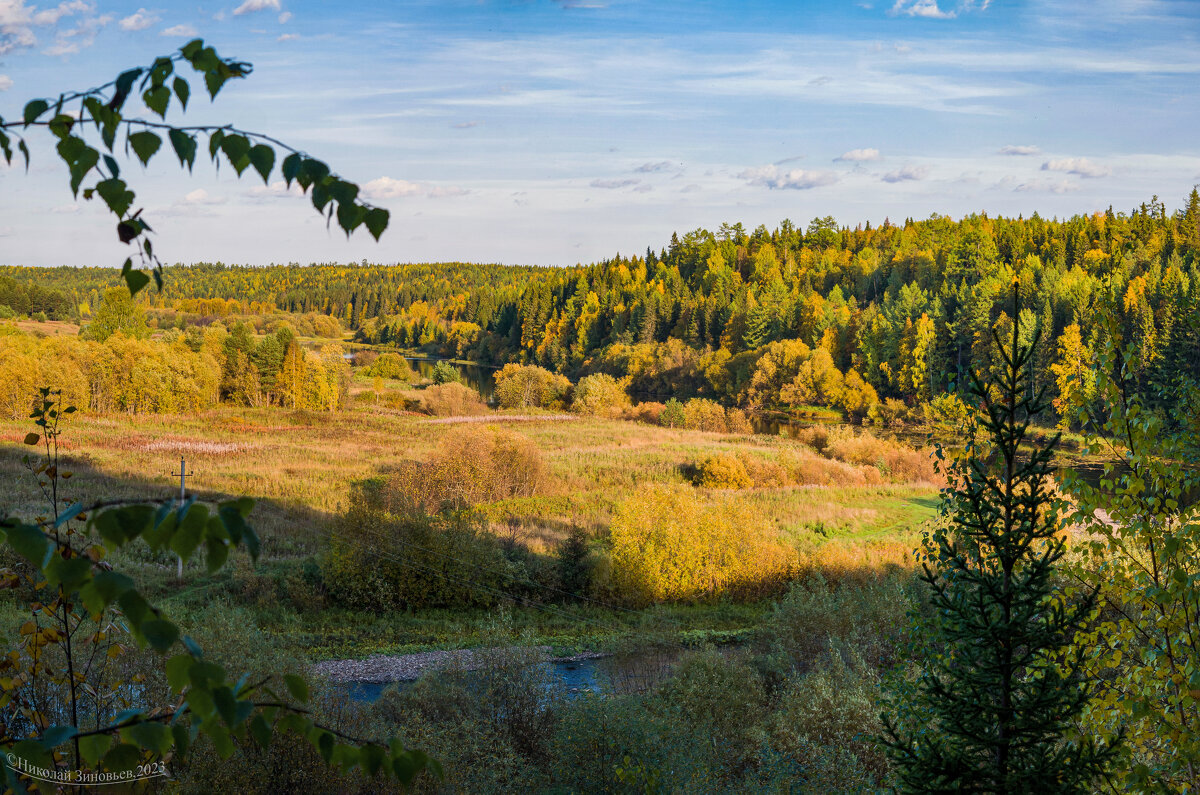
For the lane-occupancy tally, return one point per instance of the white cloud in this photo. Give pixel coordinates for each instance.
(652, 168)
(5, 83)
(794, 179)
(922, 8)
(388, 188)
(179, 30)
(858, 156)
(139, 20)
(65, 208)
(907, 174)
(1079, 166)
(1012, 149)
(445, 192)
(465, 125)
(250, 6)
(285, 17)
(1044, 185)
(200, 196)
(278, 188)
(613, 183)
(73, 39)
(288, 37)
(17, 21)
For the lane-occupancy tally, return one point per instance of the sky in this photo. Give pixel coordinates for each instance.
(552, 132)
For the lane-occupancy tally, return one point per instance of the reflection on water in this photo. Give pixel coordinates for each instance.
(479, 377)
(568, 678)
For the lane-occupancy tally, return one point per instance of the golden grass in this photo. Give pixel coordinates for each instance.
(300, 465)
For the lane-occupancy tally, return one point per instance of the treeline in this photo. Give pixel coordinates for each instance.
(904, 310)
(114, 366)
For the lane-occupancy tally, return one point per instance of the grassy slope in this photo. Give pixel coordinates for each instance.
(300, 466)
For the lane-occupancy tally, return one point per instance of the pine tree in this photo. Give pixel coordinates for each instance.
(993, 712)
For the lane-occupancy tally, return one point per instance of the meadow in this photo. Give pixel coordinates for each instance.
(300, 467)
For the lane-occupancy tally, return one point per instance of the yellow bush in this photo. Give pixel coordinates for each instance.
(452, 400)
(526, 386)
(599, 395)
(471, 465)
(704, 415)
(737, 421)
(723, 472)
(670, 544)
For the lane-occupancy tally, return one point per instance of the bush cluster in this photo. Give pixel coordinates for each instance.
(452, 400)
(529, 386)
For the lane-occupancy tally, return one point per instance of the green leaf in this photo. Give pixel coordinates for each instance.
(179, 672)
(79, 157)
(57, 735)
(112, 166)
(213, 82)
(136, 281)
(70, 513)
(182, 740)
(93, 746)
(115, 195)
(190, 531)
(236, 149)
(190, 49)
(376, 220)
(157, 98)
(297, 687)
(262, 157)
(124, 86)
(217, 553)
(35, 108)
(122, 757)
(185, 147)
(160, 633)
(30, 543)
(69, 573)
(350, 216)
(103, 590)
(33, 438)
(260, 731)
(144, 144)
(183, 91)
(291, 167)
(151, 735)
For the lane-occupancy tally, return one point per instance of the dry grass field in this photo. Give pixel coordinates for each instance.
(843, 518)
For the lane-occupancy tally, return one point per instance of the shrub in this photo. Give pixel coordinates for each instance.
(891, 413)
(723, 471)
(670, 544)
(599, 395)
(530, 386)
(896, 461)
(445, 373)
(647, 411)
(722, 700)
(391, 365)
(452, 400)
(829, 715)
(947, 411)
(704, 415)
(444, 560)
(857, 396)
(469, 466)
(869, 615)
(672, 415)
(737, 421)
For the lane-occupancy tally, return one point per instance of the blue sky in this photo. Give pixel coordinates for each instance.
(553, 132)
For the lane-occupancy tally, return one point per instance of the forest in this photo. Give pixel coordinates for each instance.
(767, 320)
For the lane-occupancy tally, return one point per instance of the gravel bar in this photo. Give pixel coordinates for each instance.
(381, 668)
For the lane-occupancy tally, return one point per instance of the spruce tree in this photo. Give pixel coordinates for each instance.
(993, 710)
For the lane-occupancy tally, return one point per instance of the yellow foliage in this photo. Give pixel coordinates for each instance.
(671, 544)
